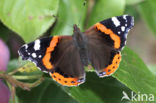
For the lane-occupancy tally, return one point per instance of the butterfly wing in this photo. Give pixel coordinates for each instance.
(36, 50)
(105, 41)
(58, 56)
(69, 70)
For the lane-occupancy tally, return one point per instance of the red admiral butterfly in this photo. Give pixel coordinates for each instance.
(64, 57)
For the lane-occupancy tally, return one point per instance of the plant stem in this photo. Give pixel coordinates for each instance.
(31, 85)
(14, 82)
(19, 77)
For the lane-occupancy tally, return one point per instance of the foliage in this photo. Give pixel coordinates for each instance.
(31, 19)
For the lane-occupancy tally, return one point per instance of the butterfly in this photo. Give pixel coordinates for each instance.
(64, 57)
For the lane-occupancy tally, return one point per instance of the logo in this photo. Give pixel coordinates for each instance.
(137, 97)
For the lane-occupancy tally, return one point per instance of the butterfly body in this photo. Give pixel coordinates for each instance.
(64, 57)
(80, 41)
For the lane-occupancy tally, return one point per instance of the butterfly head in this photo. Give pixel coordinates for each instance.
(78, 37)
(76, 32)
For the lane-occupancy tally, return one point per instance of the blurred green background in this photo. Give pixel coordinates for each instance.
(22, 21)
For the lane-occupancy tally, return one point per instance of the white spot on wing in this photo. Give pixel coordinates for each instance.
(119, 32)
(26, 46)
(37, 45)
(34, 55)
(123, 28)
(40, 56)
(116, 21)
(124, 16)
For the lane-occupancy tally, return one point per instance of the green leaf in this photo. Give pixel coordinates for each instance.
(47, 92)
(152, 68)
(133, 2)
(131, 10)
(70, 12)
(147, 10)
(19, 63)
(98, 90)
(28, 18)
(105, 9)
(135, 74)
(14, 64)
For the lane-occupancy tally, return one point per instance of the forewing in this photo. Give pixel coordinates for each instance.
(36, 51)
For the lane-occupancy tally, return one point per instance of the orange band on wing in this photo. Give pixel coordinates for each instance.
(50, 49)
(109, 32)
(110, 69)
(64, 81)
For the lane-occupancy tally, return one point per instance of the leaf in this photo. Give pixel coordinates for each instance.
(70, 12)
(47, 92)
(131, 10)
(135, 75)
(98, 90)
(28, 18)
(133, 2)
(147, 10)
(105, 9)
(13, 64)
(152, 68)
(22, 66)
